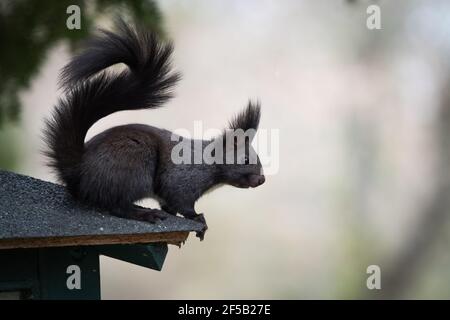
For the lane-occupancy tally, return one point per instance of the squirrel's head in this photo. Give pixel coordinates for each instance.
(241, 166)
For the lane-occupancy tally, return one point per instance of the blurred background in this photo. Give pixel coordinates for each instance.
(363, 117)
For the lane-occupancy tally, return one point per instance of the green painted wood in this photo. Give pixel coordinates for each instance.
(146, 255)
(69, 273)
(18, 272)
(66, 273)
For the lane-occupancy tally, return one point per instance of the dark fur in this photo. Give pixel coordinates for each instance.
(248, 118)
(128, 163)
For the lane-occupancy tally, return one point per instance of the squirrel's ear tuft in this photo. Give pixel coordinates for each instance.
(248, 118)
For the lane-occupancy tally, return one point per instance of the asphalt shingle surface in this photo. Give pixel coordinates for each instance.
(32, 208)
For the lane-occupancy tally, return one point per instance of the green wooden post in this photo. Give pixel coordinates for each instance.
(18, 270)
(67, 272)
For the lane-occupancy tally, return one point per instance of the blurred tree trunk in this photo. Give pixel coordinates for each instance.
(404, 269)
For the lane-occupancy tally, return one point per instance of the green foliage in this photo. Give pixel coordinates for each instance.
(29, 28)
(9, 150)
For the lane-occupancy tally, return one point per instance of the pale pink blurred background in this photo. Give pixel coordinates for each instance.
(356, 110)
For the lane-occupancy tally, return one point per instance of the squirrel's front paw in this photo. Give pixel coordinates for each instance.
(200, 218)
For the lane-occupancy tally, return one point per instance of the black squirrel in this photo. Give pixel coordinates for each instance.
(127, 163)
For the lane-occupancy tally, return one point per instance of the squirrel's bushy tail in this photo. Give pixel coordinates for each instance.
(146, 83)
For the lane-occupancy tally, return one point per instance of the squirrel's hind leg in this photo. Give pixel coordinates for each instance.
(139, 213)
(169, 210)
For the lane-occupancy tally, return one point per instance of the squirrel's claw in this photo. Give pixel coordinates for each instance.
(200, 218)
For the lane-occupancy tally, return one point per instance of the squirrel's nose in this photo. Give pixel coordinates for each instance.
(261, 180)
(256, 180)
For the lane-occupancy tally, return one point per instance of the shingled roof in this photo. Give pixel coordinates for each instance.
(36, 213)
